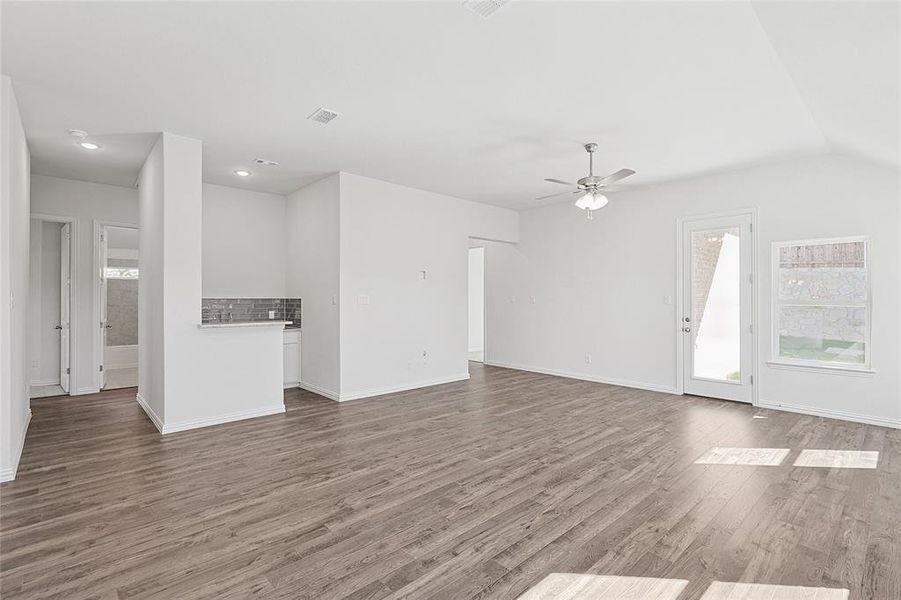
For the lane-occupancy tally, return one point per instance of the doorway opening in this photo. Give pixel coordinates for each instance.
(717, 307)
(118, 305)
(476, 289)
(52, 298)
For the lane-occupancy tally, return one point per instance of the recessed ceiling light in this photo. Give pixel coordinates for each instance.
(89, 145)
(242, 173)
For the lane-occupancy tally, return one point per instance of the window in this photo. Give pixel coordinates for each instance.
(821, 303)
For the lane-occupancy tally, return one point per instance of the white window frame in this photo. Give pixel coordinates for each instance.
(779, 361)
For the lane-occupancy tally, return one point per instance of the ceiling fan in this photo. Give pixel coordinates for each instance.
(590, 188)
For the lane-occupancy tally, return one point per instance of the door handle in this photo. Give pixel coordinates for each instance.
(58, 327)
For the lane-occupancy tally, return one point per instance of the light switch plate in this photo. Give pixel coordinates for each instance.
(363, 299)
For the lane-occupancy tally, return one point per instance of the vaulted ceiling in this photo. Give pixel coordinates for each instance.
(435, 97)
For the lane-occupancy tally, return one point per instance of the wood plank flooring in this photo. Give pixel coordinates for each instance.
(476, 489)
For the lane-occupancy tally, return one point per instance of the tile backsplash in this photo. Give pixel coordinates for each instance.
(228, 310)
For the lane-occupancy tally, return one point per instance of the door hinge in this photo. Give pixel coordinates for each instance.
(751, 227)
(101, 368)
(752, 379)
(68, 371)
(751, 328)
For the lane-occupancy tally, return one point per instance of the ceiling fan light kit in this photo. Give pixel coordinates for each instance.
(590, 188)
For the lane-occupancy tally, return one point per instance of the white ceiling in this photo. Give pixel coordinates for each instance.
(435, 97)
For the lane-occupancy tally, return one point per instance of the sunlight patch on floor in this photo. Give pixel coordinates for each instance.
(838, 459)
(768, 457)
(759, 591)
(577, 586)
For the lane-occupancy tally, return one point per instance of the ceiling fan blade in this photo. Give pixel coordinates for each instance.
(621, 174)
(558, 194)
(560, 181)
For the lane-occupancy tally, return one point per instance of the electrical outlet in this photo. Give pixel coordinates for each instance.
(532, 299)
(363, 299)
(422, 274)
(587, 359)
(512, 299)
(271, 314)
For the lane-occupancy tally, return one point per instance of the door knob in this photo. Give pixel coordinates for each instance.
(686, 329)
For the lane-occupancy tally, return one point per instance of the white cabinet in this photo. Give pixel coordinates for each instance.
(291, 357)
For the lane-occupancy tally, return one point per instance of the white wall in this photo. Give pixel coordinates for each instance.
(150, 285)
(44, 302)
(476, 292)
(399, 331)
(15, 170)
(85, 202)
(312, 275)
(191, 377)
(599, 285)
(244, 237)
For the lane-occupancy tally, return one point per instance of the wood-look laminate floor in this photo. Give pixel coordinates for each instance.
(477, 489)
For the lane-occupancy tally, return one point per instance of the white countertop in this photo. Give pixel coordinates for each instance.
(243, 324)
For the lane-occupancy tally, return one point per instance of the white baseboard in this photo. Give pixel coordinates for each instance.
(290, 385)
(165, 428)
(653, 387)
(149, 412)
(9, 473)
(86, 390)
(343, 397)
(832, 414)
(45, 382)
(120, 357)
(220, 419)
(318, 390)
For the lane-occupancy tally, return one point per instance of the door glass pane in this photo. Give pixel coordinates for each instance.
(716, 304)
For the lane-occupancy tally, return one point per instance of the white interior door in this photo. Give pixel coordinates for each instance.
(717, 308)
(64, 307)
(104, 325)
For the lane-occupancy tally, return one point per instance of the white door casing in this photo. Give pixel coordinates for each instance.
(104, 325)
(64, 305)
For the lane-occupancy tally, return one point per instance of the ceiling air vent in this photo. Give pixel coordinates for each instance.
(485, 8)
(323, 115)
(265, 163)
